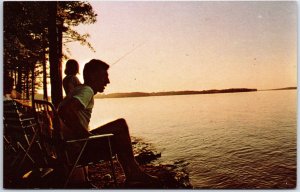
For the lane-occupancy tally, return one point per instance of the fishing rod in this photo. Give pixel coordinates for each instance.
(126, 54)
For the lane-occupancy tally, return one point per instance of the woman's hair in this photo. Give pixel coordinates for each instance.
(72, 67)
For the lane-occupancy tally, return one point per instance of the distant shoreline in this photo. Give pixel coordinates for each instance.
(278, 89)
(143, 94)
(168, 93)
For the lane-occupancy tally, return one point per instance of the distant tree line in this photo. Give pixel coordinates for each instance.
(142, 94)
(34, 35)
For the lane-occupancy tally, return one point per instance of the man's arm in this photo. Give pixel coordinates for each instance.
(68, 113)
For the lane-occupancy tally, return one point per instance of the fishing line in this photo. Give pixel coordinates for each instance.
(127, 54)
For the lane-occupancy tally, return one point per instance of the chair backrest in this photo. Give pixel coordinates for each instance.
(50, 134)
(19, 125)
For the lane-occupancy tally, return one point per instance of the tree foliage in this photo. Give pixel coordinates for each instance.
(26, 43)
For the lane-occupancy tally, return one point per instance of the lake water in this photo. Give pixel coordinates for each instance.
(235, 140)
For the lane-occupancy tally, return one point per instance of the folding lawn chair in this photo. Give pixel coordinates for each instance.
(18, 140)
(55, 149)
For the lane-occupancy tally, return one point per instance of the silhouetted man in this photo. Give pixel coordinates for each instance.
(76, 109)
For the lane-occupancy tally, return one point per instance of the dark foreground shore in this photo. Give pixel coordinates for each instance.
(172, 175)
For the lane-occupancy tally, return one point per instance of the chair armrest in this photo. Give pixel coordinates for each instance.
(90, 138)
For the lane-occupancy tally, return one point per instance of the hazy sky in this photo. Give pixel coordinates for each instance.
(194, 45)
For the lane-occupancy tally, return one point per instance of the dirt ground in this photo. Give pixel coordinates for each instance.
(170, 175)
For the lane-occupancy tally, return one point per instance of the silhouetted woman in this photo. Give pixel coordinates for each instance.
(71, 81)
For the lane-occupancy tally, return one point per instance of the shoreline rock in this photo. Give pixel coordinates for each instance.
(170, 174)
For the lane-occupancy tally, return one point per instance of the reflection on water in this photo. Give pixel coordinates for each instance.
(237, 140)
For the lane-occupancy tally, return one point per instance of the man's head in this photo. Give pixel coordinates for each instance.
(95, 75)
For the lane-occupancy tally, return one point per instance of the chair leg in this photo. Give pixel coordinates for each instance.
(112, 163)
(75, 164)
(26, 154)
(28, 149)
(9, 145)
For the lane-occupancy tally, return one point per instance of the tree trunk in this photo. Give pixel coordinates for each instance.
(55, 61)
(26, 82)
(32, 83)
(45, 71)
(19, 78)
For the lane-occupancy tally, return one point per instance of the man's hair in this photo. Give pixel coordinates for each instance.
(94, 65)
(72, 67)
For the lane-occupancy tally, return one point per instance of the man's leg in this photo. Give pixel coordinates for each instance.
(121, 144)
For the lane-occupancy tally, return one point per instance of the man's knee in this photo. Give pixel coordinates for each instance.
(122, 122)
(122, 125)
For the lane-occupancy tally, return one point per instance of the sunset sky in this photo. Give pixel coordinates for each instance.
(193, 45)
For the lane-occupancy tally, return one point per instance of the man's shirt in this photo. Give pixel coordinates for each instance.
(85, 95)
